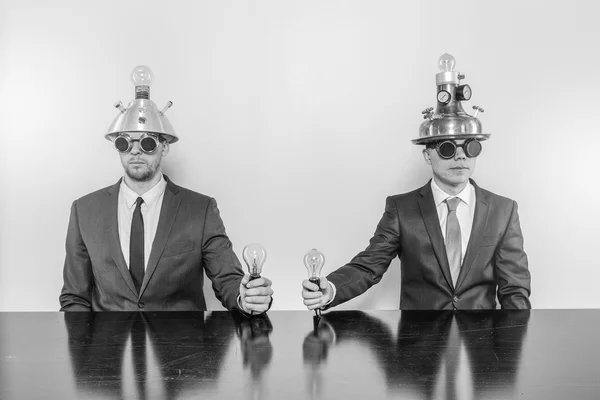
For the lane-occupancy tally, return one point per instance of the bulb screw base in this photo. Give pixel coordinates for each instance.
(142, 92)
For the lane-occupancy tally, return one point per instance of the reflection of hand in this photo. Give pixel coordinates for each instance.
(253, 328)
(256, 346)
(255, 294)
(316, 344)
(316, 296)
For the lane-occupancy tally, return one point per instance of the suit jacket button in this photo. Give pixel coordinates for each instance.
(454, 299)
(141, 304)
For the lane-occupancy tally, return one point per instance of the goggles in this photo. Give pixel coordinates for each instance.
(447, 148)
(148, 143)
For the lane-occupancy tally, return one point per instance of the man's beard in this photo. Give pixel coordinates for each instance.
(140, 174)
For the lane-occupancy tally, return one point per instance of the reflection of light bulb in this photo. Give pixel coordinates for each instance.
(254, 256)
(446, 62)
(142, 76)
(314, 261)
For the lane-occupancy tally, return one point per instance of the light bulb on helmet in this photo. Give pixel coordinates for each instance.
(446, 62)
(142, 78)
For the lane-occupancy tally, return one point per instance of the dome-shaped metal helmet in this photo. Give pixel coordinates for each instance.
(141, 114)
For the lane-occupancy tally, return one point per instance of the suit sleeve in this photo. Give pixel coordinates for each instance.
(368, 267)
(512, 272)
(76, 293)
(220, 262)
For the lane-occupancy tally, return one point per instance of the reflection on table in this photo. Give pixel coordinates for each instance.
(436, 355)
(143, 355)
(483, 355)
(153, 355)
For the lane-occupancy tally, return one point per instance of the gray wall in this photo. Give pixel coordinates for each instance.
(297, 117)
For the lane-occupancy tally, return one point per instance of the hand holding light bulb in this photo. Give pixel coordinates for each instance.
(316, 290)
(255, 291)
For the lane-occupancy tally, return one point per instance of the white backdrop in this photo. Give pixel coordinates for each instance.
(297, 117)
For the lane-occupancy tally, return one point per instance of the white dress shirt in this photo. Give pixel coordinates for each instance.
(464, 212)
(151, 207)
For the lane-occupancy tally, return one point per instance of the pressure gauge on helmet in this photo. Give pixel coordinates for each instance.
(463, 92)
(443, 96)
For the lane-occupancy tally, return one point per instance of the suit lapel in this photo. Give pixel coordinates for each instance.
(432, 223)
(479, 223)
(168, 212)
(116, 252)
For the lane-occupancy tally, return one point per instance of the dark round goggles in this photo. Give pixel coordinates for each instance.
(447, 148)
(148, 143)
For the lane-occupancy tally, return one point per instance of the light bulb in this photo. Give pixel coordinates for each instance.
(314, 261)
(254, 256)
(446, 62)
(142, 76)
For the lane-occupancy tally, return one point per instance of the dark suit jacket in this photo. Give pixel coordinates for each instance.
(190, 238)
(494, 262)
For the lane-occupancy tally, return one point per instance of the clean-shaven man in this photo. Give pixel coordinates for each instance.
(460, 246)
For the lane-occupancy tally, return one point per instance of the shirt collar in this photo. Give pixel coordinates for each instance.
(149, 197)
(467, 194)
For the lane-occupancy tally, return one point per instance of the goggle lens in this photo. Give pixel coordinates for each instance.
(446, 149)
(122, 144)
(148, 144)
(473, 148)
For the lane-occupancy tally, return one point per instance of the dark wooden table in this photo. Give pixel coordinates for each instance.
(542, 354)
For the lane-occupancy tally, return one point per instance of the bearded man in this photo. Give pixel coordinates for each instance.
(144, 243)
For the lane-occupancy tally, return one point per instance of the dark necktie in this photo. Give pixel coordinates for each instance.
(136, 245)
(453, 240)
